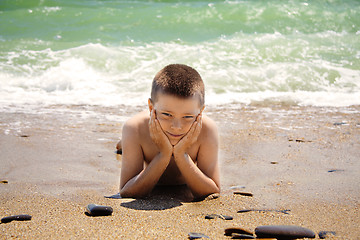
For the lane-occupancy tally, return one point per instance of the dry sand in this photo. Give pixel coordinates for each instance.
(60, 159)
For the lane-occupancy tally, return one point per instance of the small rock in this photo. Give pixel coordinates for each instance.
(22, 217)
(194, 235)
(274, 162)
(286, 211)
(336, 170)
(213, 216)
(283, 231)
(4, 181)
(241, 236)
(24, 136)
(98, 210)
(324, 234)
(231, 231)
(248, 194)
(340, 123)
(115, 196)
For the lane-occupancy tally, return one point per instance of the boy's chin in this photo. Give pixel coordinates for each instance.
(174, 142)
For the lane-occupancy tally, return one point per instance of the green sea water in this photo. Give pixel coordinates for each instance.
(107, 52)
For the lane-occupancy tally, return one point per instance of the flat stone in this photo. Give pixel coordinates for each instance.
(325, 234)
(98, 210)
(283, 232)
(115, 196)
(285, 211)
(336, 170)
(247, 194)
(241, 236)
(22, 217)
(213, 216)
(230, 231)
(194, 235)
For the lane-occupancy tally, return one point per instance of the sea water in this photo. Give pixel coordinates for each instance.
(106, 52)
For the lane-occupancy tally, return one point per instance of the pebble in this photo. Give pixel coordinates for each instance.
(22, 217)
(98, 210)
(241, 236)
(340, 123)
(336, 170)
(213, 216)
(4, 181)
(265, 210)
(248, 194)
(324, 234)
(231, 231)
(115, 196)
(283, 231)
(194, 235)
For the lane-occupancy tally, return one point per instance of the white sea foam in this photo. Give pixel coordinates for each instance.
(241, 69)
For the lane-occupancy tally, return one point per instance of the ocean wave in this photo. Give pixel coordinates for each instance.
(240, 69)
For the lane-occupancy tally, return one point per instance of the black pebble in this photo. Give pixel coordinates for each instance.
(22, 217)
(248, 194)
(241, 236)
(213, 216)
(98, 210)
(283, 232)
(335, 170)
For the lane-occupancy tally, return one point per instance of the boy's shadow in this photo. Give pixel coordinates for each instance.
(162, 198)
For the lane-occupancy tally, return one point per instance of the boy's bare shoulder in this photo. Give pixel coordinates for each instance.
(138, 123)
(209, 129)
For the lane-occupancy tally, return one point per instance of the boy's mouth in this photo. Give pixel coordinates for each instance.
(175, 135)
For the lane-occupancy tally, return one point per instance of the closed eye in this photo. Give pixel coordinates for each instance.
(166, 114)
(189, 117)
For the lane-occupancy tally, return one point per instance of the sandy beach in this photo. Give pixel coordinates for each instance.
(59, 159)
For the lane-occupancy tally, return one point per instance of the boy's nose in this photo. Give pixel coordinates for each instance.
(176, 124)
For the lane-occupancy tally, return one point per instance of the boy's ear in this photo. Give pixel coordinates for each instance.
(151, 105)
(202, 109)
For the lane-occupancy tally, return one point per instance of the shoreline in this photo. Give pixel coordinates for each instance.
(63, 158)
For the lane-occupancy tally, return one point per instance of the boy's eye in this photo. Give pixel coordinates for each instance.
(166, 114)
(188, 117)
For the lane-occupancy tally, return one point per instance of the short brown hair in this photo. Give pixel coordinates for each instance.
(179, 80)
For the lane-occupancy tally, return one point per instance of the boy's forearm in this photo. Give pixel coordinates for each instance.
(143, 183)
(199, 184)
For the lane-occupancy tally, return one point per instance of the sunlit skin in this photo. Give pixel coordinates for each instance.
(178, 144)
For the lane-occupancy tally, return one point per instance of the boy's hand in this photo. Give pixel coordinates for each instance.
(158, 136)
(190, 138)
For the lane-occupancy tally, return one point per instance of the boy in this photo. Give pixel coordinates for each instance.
(174, 144)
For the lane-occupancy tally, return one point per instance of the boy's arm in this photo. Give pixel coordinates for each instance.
(135, 181)
(203, 178)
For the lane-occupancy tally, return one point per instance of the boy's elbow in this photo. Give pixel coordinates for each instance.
(125, 193)
(203, 195)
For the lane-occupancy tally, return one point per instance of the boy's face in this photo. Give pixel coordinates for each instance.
(175, 115)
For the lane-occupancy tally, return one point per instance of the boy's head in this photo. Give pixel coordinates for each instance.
(177, 96)
(180, 81)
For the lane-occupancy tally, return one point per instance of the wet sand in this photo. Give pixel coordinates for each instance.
(60, 159)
